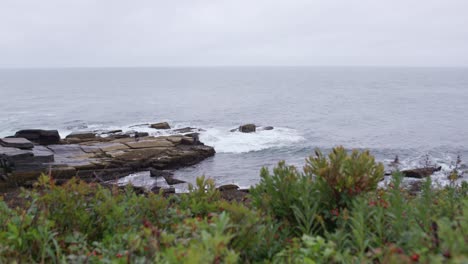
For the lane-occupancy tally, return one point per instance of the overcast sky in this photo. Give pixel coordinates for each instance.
(80, 33)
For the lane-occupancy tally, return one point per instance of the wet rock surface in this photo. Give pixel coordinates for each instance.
(89, 157)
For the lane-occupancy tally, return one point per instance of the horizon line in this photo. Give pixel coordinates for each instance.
(223, 66)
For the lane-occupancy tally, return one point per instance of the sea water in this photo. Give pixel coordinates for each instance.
(418, 114)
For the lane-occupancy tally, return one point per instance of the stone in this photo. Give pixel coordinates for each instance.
(267, 128)
(16, 155)
(157, 189)
(42, 137)
(248, 128)
(162, 125)
(172, 180)
(185, 130)
(420, 172)
(111, 146)
(150, 144)
(20, 143)
(43, 154)
(228, 187)
(82, 135)
(160, 173)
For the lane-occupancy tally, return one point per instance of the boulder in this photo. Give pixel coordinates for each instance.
(42, 137)
(420, 172)
(267, 128)
(162, 125)
(248, 128)
(20, 143)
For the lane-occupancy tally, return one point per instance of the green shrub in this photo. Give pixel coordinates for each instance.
(347, 175)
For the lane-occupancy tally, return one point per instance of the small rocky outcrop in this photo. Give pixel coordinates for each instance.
(162, 125)
(106, 158)
(42, 137)
(248, 128)
(420, 172)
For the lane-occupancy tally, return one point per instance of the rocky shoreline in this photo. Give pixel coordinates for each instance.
(107, 155)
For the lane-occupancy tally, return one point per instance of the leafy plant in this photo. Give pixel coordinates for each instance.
(347, 175)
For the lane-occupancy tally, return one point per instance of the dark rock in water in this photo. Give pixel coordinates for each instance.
(248, 128)
(267, 128)
(421, 172)
(234, 129)
(185, 130)
(228, 187)
(162, 125)
(82, 135)
(172, 180)
(167, 175)
(160, 173)
(42, 137)
(20, 143)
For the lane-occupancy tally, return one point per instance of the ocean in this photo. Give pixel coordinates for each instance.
(415, 113)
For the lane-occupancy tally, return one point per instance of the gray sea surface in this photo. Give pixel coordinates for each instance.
(418, 114)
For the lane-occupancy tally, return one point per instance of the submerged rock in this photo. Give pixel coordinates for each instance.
(162, 125)
(42, 137)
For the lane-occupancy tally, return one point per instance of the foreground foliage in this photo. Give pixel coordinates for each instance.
(332, 212)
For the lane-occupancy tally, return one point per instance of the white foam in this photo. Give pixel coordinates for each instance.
(225, 141)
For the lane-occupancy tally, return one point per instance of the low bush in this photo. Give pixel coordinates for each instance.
(330, 213)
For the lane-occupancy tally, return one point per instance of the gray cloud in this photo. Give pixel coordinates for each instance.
(55, 33)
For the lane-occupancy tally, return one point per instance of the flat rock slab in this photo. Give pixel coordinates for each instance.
(82, 135)
(111, 146)
(150, 144)
(20, 143)
(43, 154)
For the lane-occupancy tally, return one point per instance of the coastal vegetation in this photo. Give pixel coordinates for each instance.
(333, 211)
